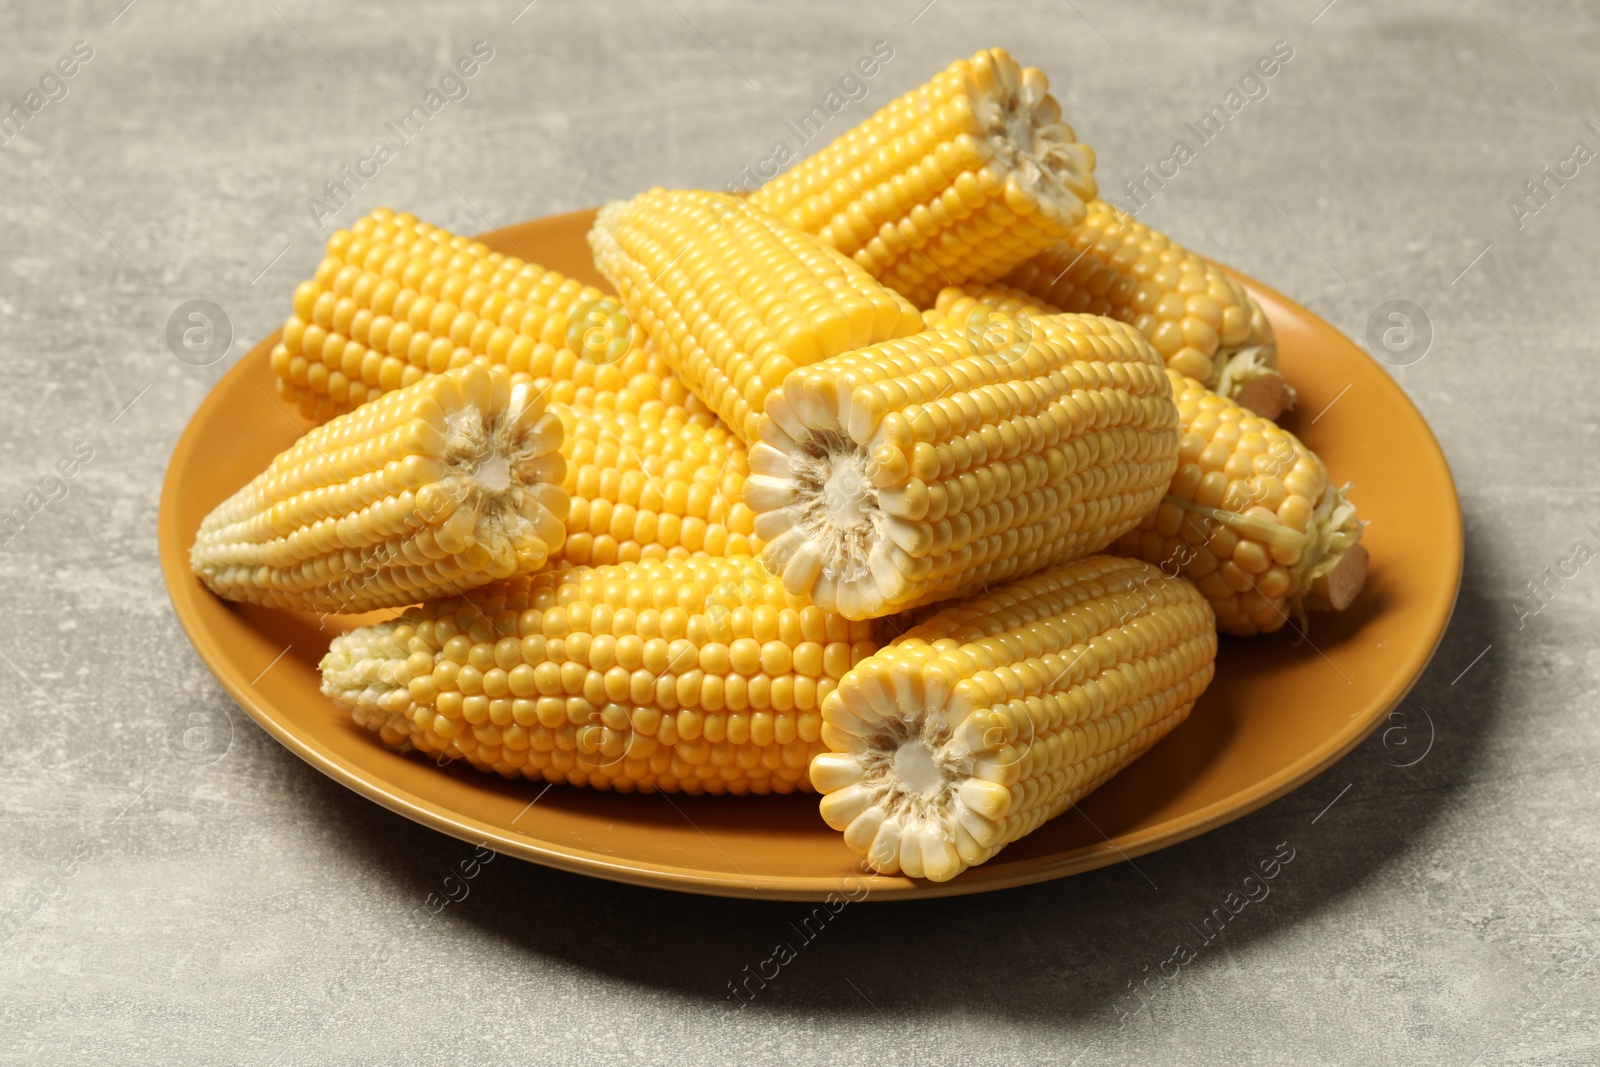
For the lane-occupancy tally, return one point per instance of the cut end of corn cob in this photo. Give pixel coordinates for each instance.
(1251, 518)
(699, 675)
(960, 179)
(1335, 565)
(733, 299)
(927, 467)
(1202, 322)
(1048, 170)
(1340, 581)
(995, 715)
(1248, 376)
(446, 484)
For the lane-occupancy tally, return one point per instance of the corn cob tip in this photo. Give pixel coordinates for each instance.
(364, 673)
(603, 233)
(994, 715)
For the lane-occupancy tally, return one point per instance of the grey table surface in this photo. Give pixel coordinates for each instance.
(156, 907)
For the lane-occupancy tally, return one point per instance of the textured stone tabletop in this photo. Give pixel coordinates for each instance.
(159, 908)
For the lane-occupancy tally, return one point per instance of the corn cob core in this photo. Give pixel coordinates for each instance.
(396, 299)
(697, 675)
(1251, 518)
(929, 467)
(958, 180)
(733, 299)
(649, 486)
(449, 483)
(1203, 324)
(998, 713)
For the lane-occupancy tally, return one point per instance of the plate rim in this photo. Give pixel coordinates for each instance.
(182, 588)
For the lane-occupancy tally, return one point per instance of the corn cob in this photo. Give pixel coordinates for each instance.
(652, 487)
(697, 675)
(735, 300)
(396, 299)
(1251, 519)
(1204, 324)
(452, 482)
(997, 714)
(929, 467)
(959, 180)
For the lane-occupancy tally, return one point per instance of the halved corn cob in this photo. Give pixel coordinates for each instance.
(1204, 324)
(929, 467)
(396, 299)
(695, 675)
(998, 713)
(1251, 518)
(735, 300)
(449, 483)
(959, 180)
(647, 486)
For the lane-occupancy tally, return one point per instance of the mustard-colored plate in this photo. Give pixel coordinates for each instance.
(1280, 711)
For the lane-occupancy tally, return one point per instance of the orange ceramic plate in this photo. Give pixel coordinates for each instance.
(1279, 712)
